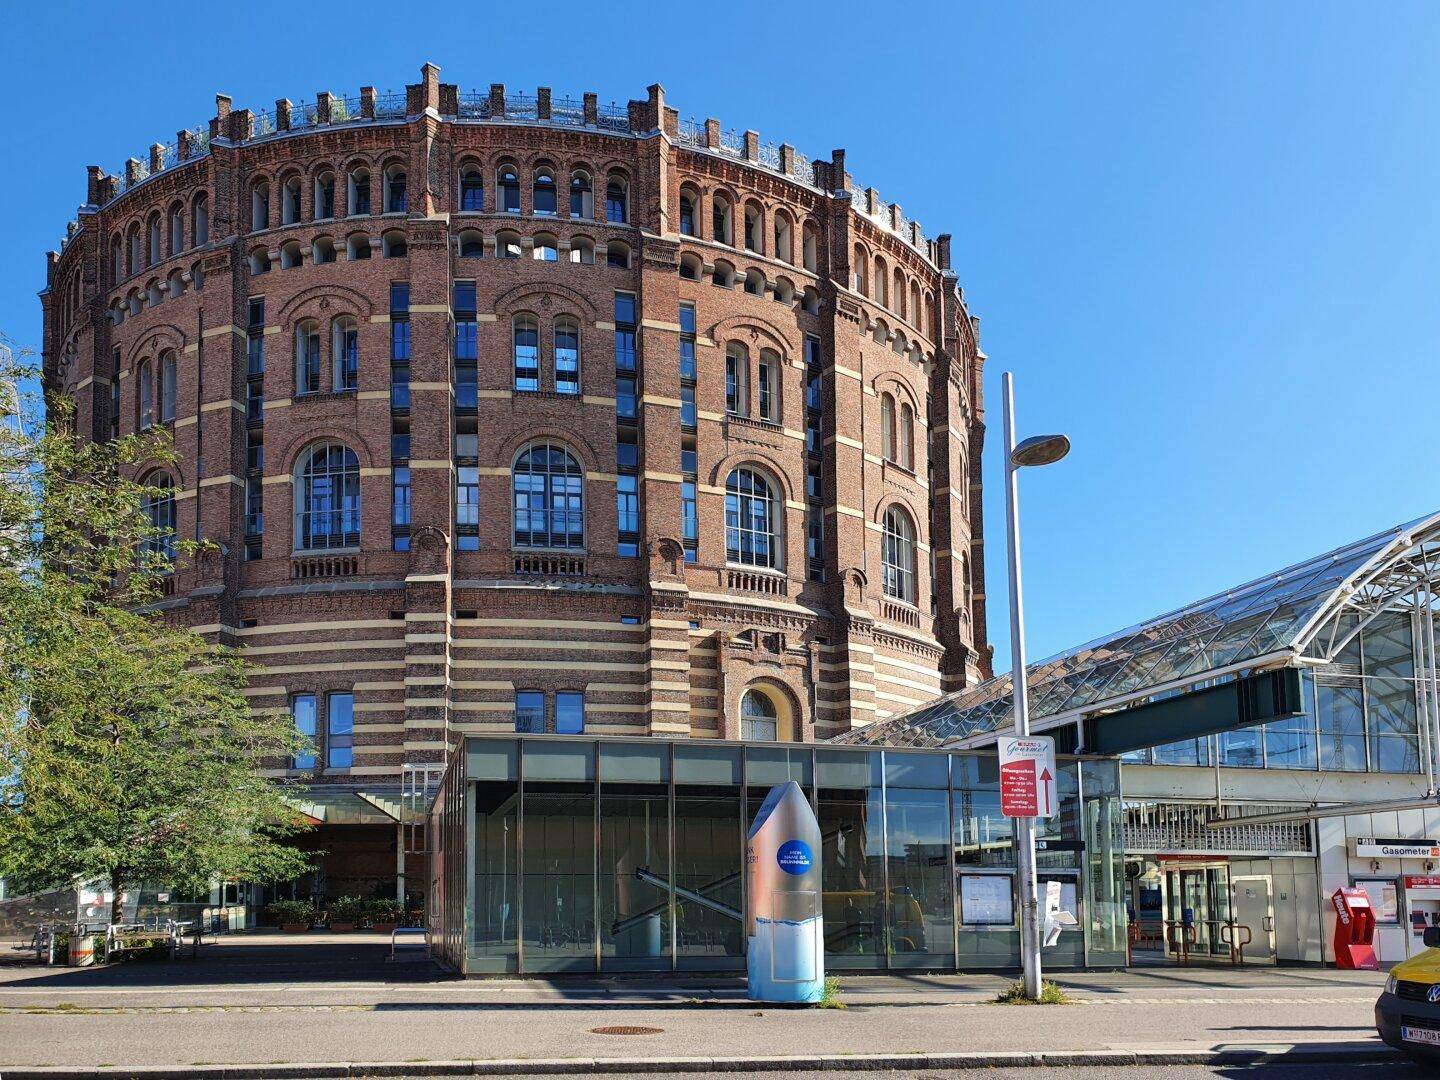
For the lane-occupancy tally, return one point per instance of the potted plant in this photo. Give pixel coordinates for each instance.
(384, 915)
(344, 915)
(292, 916)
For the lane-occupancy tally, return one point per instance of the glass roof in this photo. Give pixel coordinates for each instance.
(1275, 613)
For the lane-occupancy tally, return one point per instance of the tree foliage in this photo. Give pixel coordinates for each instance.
(127, 749)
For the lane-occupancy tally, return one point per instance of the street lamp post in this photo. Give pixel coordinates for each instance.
(1039, 450)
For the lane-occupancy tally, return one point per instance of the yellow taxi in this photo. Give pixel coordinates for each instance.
(1407, 1016)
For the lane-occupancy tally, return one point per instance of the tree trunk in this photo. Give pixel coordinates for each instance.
(117, 905)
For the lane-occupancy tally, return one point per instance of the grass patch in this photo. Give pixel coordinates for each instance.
(830, 998)
(1014, 994)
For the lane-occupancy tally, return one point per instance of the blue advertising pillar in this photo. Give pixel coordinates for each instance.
(785, 959)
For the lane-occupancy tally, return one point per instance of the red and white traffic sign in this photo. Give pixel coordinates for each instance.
(1027, 776)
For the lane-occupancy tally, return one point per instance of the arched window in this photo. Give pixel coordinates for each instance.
(525, 333)
(117, 259)
(691, 266)
(754, 227)
(324, 207)
(509, 189)
(784, 291)
(345, 354)
(721, 219)
(290, 255)
(898, 557)
(307, 357)
(783, 250)
(546, 248)
(472, 189)
(751, 537)
(887, 427)
(357, 246)
(915, 313)
(259, 206)
(881, 283)
(755, 281)
(134, 252)
(322, 251)
(617, 254)
(176, 282)
(767, 386)
(759, 719)
(177, 228)
(472, 245)
(396, 201)
(159, 509)
(907, 436)
(200, 220)
(582, 250)
(259, 262)
(393, 244)
(358, 191)
(567, 355)
(167, 387)
(897, 292)
(157, 251)
(507, 244)
(861, 263)
(723, 276)
(327, 498)
(811, 245)
(582, 195)
(687, 212)
(617, 199)
(543, 192)
(549, 498)
(145, 395)
(290, 201)
(737, 379)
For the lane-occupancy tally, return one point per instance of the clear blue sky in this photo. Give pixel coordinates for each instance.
(1204, 236)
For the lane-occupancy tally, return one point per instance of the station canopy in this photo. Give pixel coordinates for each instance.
(1301, 616)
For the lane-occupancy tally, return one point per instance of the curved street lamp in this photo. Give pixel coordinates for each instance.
(1035, 451)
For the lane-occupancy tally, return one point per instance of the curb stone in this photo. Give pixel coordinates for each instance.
(1341, 1053)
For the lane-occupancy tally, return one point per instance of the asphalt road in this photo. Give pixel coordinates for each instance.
(1131, 1072)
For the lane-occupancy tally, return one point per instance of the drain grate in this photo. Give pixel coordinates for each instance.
(627, 1029)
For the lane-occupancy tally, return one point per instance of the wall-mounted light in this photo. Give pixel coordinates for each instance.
(1374, 866)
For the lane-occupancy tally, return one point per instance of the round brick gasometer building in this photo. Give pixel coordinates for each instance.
(523, 412)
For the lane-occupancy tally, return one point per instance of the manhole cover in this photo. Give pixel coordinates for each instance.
(626, 1029)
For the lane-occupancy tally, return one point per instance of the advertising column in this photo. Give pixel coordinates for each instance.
(786, 956)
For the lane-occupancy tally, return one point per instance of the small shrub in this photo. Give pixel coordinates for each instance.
(1014, 994)
(384, 911)
(830, 999)
(348, 909)
(290, 911)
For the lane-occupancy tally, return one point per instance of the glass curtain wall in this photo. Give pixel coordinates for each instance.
(628, 855)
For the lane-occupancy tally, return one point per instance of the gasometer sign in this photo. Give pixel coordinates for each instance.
(1027, 776)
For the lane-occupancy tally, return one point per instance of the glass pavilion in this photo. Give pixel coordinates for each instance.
(557, 854)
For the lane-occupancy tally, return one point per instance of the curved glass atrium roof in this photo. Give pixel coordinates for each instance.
(1304, 614)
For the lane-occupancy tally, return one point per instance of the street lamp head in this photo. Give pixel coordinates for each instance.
(1040, 450)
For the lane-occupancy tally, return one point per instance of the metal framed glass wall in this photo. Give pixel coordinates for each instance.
(616, 854)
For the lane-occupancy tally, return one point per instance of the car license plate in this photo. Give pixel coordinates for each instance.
(1429, 1036)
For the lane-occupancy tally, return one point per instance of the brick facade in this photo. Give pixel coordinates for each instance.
(435, 640)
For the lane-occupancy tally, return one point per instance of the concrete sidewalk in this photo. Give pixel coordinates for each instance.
(243, 1004)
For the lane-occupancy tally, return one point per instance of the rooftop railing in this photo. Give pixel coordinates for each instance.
(499, 105)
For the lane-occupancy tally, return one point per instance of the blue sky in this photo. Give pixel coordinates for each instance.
(1203, 236)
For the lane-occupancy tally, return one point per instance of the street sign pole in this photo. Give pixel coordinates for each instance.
(1024, 826)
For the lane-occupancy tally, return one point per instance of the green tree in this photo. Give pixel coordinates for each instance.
(127, 750)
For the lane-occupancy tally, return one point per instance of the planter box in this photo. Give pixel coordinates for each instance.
(384, 927)
(342, 927)
(294, 928)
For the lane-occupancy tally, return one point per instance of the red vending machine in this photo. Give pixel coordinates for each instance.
(1354, 930)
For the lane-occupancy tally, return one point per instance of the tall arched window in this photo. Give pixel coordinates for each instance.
(200, 220)
(145, 395)
(617, 199)
(159, 509)
(345, 354)
(395, 195)
(582, 195)
(358, 191)
(117, 259)
(720, 220)
(307, 357)
(751, 538)
(134, 252)
(472, 189)
(290, 201)
(759, 719)
(811, 245)
(737, 379)
(860, 268)
(567, 355)
(783, 251)
(899, 555)
(167, 387)
(327, 498)
(687, 213)
(887, 427)
(549, 490)
(324, 204)
(157, 252)
(259, 206)
(526, 338)
(509, 187)
(754, 228)
(177, 228)
(543, 192)
(906, 436)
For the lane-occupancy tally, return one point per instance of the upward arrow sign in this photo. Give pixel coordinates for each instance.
(1045, 779)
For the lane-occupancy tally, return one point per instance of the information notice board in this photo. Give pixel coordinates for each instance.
(987, 900)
